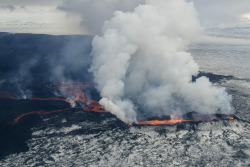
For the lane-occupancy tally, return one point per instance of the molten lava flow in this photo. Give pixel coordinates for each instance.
(159, 122)
(50, 98)
(7, 96)
(74, 90)
(42, 113)
(173, 121)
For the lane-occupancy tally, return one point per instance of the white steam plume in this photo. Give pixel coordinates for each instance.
(94, 12)
(141, 68)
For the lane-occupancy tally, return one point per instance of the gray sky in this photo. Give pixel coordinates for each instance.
(217, 12)
(86, 16)
(36, 16)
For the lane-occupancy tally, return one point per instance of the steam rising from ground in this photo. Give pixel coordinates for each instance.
(141, 67)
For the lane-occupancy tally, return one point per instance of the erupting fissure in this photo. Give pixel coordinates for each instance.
(174, 121)
(76, 90)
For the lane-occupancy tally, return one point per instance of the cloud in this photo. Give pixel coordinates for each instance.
(88, 16)
(214, 12)
(141, 67)
(10, 7)
(37, 17)
(95, 12)
(30, 2)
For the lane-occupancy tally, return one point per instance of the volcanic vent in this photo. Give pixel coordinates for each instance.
(188, 117)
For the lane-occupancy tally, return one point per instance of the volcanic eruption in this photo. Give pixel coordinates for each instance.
(143, 72)
(142, 69)
(77, 100)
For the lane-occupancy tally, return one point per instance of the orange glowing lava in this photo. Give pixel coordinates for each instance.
(166, 122)
(159, 122)
(42, 113)
(7, 96)
(75, 91)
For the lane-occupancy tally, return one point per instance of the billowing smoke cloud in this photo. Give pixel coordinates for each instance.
(95, 12)
(141, 67)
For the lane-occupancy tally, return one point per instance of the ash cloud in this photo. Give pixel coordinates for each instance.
(141, 67)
